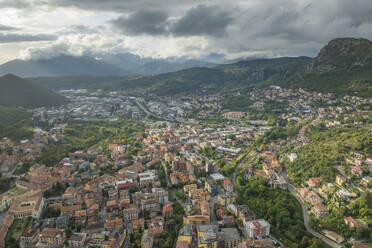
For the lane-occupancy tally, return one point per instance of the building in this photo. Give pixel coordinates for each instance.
(228, 185)
(126, 184)
(69, 210)
(257, 229)
(211, 186)
(137, 224)
(351, 222)
(230, 237)
(131, 213)
(51, 237)
(148, 204)
(233, 115)
(196, 219)
(27, 207)
(256, 243)
(182, 244)
(29, 238)
(320, 210)
(115, 224)
(147, 177)
(226, 198)
(334, 236)
(244, 213)
(147, 239)
(156, 225)
(207, 236)
(189, 187)
(340, 179)
(77, 240)
(360, 245)
(185, 234)
(167, 210)
(161, 195)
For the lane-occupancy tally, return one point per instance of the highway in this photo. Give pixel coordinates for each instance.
(148, 113)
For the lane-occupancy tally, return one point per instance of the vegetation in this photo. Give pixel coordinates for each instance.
(359, 209)
(15, 231)
(25, 167)
(169, 236)
(135, 239)
(363, 206)
(83, 135)
(56, 190)
(279, 208)
(331, 146)
(15, 123)
(6, 184)
(346, 77)
(18, 92)
(51, 212)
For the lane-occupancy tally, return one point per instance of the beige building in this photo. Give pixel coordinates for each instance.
(51, 237)
(233, 115)
(147, 239)
(27, 207)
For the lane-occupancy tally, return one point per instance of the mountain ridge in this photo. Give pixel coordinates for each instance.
(343, 66)
(108, 65)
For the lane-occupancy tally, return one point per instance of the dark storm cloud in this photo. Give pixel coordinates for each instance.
(291, 27)
(18, 4)
(197, 21)
(279, 27)
(203, 20)
(9, 38)
(143, 22)
(7, 28)
(124, 5)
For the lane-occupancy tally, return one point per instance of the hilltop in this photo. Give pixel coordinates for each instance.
(18, 92)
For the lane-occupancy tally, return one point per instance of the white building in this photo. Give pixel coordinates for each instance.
(257, 229)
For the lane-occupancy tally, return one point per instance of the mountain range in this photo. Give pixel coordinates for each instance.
(343, 66)
(106, 65)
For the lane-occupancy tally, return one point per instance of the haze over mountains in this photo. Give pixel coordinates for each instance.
(344, 65)
(106, 65)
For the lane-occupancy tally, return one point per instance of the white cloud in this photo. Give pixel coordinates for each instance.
(74, 44)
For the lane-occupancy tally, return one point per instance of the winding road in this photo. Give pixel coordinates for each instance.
(305, 214)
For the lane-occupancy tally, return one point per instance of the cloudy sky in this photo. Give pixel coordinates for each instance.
(31, 29)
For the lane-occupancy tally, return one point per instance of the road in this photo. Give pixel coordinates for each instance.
(2, 217)
(148, 113)
(305, 214)
(166, 174)
(212, 202)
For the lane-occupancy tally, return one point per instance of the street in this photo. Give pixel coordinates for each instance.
(166, 174)
(305, 214)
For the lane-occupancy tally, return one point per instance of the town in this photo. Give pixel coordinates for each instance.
(175, 174)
